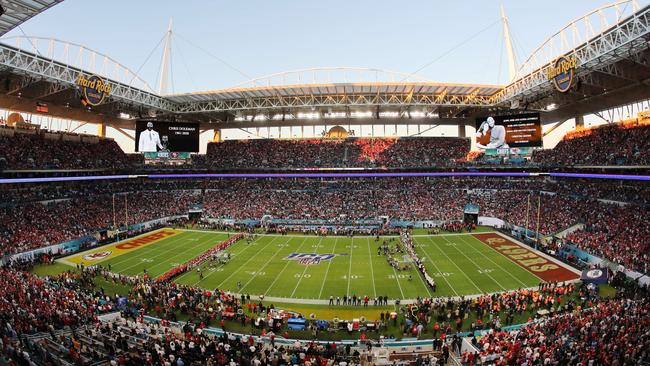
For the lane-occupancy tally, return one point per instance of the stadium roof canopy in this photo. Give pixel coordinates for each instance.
(611, 46)
(403, 88)
(17, 12)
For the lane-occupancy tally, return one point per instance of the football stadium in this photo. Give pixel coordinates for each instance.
(488, 204)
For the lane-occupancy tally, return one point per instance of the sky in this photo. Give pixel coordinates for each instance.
(220, 44)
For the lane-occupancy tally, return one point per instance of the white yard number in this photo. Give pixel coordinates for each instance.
(392, 277)
(299, 275)
(352, 277)
(442, 274)
(487, 270)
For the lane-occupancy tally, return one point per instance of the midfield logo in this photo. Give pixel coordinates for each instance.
(311, 258)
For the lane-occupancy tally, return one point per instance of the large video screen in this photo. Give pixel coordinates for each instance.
(154, 136)
(502, 132)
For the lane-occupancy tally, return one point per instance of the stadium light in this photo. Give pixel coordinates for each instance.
(125, 115)
(335, 115)
(551, 107)
(314, 115)
(365, 114)
(387, 114)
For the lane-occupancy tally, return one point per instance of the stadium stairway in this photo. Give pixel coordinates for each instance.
(562, 234)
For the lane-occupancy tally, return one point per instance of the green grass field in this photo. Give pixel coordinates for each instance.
(461, 265)
(162, 256)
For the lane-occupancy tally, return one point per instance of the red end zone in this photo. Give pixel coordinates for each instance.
(527, 258)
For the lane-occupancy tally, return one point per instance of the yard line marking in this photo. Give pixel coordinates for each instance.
(304, 239)
(477, 266)
(303, 272)
(419, 275)
(329, 263)
(264, 266)
(496, 264)
(426, 254)
(191, 249)
(372, 271)
(454, 263)
(171, 250)
(243, 248)
(350, 269)
(397, 279)
(144, 252)
(245, 263)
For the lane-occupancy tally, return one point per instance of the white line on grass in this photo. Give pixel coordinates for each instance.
(154, 247)
(350, 269)
(476, 264)
(426, 287)
(426, 254)
(245, 263)
(303, 272)
(245, 247)
(329, 263)
(454, 263)
(372, 271)
(397, 279)
(166, 261)
(242, 249)
(279, 275)
(496, 264)
(264, 266)
(165, 247)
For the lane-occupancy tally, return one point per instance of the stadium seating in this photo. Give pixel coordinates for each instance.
(608, 145)
(617, 233)
(38, 224)
(57, 320)
(354, 152)
(34, 149)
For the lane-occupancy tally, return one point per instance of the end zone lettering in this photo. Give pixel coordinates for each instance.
(148, 239)
(539, 265)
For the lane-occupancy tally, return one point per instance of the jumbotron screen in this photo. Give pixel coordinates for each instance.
(155, 136)
(501, 132)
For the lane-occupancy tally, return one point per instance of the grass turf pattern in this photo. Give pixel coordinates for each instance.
(460, 264)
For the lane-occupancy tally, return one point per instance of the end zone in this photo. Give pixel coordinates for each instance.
(97, 255)
(534, 261)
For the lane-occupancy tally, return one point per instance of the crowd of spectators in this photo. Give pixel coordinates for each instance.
(34, 152)
(39, 224)
(608, 145)
(69, 301)
(580, 328)
(353, 152)
(612, 332)
(619, 233)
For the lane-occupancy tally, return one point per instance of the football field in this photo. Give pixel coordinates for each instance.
(315, 268)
